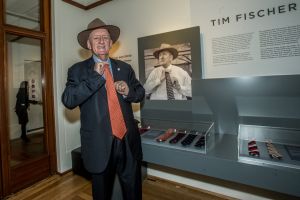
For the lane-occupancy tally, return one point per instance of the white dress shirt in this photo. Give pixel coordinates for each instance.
(156, 83)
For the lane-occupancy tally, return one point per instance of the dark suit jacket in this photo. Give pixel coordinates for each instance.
(86, 88)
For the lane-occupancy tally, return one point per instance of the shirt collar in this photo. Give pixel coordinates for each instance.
(96, 60)
(168, 69)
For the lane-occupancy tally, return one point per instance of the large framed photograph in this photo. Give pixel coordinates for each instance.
(168, 62)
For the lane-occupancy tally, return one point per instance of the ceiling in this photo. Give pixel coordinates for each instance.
(86, 2)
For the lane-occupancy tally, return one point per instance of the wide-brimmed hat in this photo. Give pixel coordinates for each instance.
(83, 36)
(166, 47)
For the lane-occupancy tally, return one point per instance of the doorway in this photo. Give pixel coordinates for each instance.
(26, 106)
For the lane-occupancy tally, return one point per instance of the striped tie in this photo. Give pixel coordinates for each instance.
(169, 86)
(116, 117)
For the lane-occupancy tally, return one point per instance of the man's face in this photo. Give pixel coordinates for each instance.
(165, 58)
(100, 43)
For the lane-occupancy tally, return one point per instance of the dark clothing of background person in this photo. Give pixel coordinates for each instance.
(21, 107)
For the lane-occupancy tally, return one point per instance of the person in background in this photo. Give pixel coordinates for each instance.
(22, 107)
(167, 81)
(104, 89)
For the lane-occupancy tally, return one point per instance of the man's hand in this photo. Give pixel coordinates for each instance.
(122, 87)
(176, 84)
(99, 67)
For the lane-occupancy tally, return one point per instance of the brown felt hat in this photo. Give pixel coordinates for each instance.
(166, 47)
(83, 36)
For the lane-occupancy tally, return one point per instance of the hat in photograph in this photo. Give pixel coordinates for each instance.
(83, 36)
(166, 47)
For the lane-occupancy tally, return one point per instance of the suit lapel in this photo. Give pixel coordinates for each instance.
(90, 67)
(116, 75)
(115, 70)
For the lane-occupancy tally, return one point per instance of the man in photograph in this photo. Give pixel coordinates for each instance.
(167, 81)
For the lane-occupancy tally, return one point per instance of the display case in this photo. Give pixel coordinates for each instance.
(196, 137)
(264, 145)
(242, 110)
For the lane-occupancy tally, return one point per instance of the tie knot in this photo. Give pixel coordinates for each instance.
(106, 69)
(105, 65)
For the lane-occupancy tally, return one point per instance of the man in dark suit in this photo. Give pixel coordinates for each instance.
(105, 154)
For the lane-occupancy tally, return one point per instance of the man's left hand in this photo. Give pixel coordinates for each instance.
(122, 87)
(176, 84)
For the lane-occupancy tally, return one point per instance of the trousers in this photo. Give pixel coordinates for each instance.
(128, 170)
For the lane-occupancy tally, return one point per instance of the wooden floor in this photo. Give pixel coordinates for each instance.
(23, 151)
(73, 187)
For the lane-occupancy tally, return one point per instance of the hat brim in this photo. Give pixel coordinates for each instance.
(83, 36)
(173, 51)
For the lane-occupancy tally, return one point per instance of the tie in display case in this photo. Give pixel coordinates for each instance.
(195, 137)
(265, 145)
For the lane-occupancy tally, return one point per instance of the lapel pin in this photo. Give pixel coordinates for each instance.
(118, 69)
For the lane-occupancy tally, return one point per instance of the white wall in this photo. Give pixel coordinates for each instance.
(136, 18)
(65, 53)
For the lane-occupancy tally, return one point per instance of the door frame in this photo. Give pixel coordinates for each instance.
(6, 183)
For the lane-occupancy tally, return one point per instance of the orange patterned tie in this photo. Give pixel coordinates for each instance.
(116, 117)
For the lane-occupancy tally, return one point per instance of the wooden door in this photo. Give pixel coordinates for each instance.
(26, 106)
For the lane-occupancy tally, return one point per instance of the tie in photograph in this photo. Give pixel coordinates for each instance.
(116, 117)
(169, 86)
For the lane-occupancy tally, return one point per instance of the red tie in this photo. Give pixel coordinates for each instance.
(116, 117)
